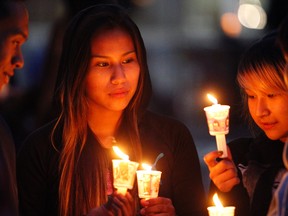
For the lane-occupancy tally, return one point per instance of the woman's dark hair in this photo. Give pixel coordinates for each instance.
(77, 197)
(283, 37)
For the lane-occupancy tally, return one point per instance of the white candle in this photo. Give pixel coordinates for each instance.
(218, 123)
(124, 172)
(148, 182)
(219, 209)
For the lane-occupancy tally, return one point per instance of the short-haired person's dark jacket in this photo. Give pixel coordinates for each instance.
(8, 185)
(260, 169)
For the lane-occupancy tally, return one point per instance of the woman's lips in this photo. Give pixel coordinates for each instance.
(119, 93)
(267, 126)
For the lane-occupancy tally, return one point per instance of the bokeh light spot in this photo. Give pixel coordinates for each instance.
(230, 24)
(252, 16)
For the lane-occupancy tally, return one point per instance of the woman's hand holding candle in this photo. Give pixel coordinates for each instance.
(224, 172)
(156, 206)
(118, 204)
(122, 204)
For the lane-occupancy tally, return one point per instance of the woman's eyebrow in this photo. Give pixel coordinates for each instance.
(103, 56)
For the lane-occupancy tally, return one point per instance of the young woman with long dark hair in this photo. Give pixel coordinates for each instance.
(104, 88)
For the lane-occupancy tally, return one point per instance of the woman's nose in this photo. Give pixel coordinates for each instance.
(262, 108)
(118, 75)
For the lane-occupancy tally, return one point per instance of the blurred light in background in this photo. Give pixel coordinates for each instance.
(252, 15)
(230, 24)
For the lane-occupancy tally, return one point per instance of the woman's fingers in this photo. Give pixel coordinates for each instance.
(124, 205)
(211, 158)
(159, 206)
(224, 175)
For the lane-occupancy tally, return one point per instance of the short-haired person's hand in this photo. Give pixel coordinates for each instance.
(117, 205)
(224, 172)
(160, 206)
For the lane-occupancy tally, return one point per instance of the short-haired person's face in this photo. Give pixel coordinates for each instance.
(113, 72)
(13, 33)
(269, 110)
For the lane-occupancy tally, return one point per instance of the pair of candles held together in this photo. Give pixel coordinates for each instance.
(124, 172)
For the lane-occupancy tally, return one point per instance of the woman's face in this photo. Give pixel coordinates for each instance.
(269, 110)
(113, 72)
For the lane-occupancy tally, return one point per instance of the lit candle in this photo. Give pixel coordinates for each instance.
(218, 123)
(219, 209)
(148, 182)
(123, 172)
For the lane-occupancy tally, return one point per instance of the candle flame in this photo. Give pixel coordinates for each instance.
(146, 167)
(120, 153)
(212, 99)
(217, 202)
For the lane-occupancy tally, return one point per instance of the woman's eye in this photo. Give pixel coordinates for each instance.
(102, 64)
(127, 61)
(271, 95)
(16, 43)
(250, 96)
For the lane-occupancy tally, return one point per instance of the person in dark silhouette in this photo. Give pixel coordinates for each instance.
(13, 33)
